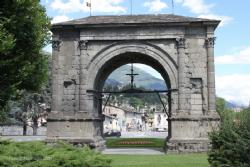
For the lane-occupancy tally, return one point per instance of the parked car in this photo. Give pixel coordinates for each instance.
(112, 134)
(161, 129)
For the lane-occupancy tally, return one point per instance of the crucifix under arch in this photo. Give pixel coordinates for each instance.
(132, 76)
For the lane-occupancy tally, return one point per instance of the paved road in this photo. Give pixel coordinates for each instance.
(124, 135)
(24, 138)
(144, 134)
(134, 151)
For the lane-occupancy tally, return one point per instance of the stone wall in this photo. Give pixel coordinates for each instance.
(18, 131)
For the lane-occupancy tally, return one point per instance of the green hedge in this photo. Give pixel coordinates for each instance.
(231, 143)
(38, 154)
(135, 142)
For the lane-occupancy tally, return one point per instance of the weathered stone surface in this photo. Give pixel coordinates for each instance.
(87, 50)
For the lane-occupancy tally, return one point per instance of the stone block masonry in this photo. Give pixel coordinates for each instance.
(87, 50)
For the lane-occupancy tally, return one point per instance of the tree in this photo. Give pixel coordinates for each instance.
(4, 113)
(134, 99)
(31, 107)
(37, 110)
(24, 31)
(231, 142)
(7, 41)
(220, 105)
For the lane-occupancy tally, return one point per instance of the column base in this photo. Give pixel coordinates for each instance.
(97, 143)
(187, 145)
(76, 130)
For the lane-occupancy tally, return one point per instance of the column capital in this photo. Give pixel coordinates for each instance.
(83, 44)
(56, 45)
(210, 41)
(180, 42)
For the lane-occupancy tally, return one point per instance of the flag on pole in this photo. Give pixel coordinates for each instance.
(88, 4)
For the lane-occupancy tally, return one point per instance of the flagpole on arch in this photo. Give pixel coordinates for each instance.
(172, 6)
(88, 4)
(131, 7)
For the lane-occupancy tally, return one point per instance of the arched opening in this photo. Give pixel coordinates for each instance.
(120, 61)
(126, 58)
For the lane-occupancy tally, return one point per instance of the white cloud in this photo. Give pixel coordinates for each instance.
(196, 6)
(67, 7)
(240, 57)
(224, 19)
(104, 6)
(239, 92)
(149, 70)
(155, 5)
(60, 18)
(203, 10)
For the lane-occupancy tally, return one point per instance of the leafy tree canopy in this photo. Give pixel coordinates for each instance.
(24, 31)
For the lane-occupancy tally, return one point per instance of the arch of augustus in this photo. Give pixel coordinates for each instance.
(87, 50)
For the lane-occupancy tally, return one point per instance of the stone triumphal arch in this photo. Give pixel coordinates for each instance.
(87, 50)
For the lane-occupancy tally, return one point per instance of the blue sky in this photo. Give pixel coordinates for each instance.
(232, 49)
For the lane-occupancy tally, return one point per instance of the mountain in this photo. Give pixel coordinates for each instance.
(112, 82)
(144, 79)
(231, 104)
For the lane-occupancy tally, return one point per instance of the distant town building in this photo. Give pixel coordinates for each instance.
(160, 121)
(127, 120)
(121, 119)
(237, 109)
(110, 123)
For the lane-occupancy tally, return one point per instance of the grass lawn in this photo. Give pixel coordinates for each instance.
(172, 160)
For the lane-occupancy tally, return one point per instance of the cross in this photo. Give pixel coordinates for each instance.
(132, 76)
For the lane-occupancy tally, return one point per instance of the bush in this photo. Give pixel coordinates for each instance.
(38, 154)
(231, 143)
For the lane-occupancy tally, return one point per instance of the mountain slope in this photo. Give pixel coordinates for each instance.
(144, 79)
